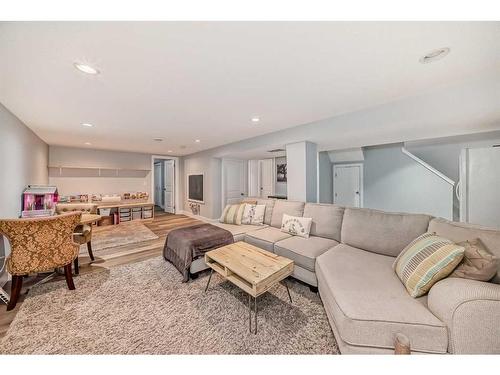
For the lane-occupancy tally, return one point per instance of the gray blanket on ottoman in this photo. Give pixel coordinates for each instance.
(184, 245)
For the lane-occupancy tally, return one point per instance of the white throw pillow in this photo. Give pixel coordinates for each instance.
(253, 214)
(247, 213)
(296, 226)
(258, 214)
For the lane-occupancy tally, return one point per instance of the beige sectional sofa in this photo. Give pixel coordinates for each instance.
(349, 257)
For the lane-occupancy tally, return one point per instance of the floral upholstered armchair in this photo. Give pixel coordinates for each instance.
(40, 245)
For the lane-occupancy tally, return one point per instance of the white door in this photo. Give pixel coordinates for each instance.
(253, 178)
(169, 186)
(234, 180)
(266, 177)
(158, 185)
(348, 185)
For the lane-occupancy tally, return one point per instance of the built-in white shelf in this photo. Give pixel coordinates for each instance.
(70, 171)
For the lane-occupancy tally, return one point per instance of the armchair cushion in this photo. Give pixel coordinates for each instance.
(83, 234)
(471, 311)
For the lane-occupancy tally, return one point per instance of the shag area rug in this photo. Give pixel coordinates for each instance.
(143, 308)
(112, 236)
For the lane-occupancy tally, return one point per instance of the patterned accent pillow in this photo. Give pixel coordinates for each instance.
(478, 263)
(253, 214)
(258, 215)
(232, 214)
(248, 213)
(296, 226)
(426, 260)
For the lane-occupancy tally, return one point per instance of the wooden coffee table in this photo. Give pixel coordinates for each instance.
(253, 270)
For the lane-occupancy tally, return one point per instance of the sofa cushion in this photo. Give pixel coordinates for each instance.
(459, 232)
(369, 305)
(269, 203)
(304, 251)
(285, 207)
(237, 229)
(265, 238)
(327, 219)
(381, 232)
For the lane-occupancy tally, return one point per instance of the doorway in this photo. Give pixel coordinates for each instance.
(234, 181)
(266, 177)
(164, 184)
(348, 185)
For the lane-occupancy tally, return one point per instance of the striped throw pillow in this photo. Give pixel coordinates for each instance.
(426, 260)
(232, 214)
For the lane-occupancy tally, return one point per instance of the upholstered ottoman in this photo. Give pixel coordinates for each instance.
(185, 245)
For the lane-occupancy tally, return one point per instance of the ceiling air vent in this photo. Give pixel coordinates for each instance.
(277, 150)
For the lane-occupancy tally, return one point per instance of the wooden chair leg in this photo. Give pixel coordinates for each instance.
(89, 248)
(17, 284)
(77, 267)
(69, 276)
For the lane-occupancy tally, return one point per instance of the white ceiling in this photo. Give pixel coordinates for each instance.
(205, 80)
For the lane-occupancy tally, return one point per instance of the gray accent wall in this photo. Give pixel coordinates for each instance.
(23, 161)
(395, 182)
(443, 154)
(325, 178)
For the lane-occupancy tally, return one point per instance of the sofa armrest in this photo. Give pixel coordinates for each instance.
(471, 311)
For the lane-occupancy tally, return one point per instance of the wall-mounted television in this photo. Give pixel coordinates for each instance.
(195, 188)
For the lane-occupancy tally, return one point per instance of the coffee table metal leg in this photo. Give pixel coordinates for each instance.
(255, 299)
(250, 314)
(288, 290)
(209, 278)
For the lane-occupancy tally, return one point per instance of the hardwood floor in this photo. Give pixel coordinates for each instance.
(161, 225)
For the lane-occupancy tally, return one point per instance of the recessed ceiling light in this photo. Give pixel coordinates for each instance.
(86, 68)
(87, 125)
(197, 140)
(158, 139)
(255, 119)
(435, 55)
(169, 151)
(88, 143)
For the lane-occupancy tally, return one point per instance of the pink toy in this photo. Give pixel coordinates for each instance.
(39, 200)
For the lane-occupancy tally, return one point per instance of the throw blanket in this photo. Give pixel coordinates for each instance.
(184, 245)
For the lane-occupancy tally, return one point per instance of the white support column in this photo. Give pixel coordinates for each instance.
(302, 164)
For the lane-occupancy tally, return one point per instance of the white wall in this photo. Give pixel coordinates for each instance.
(302, 171)
(212, 186)
(23, 161)
(82, 157)
(395, 182)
